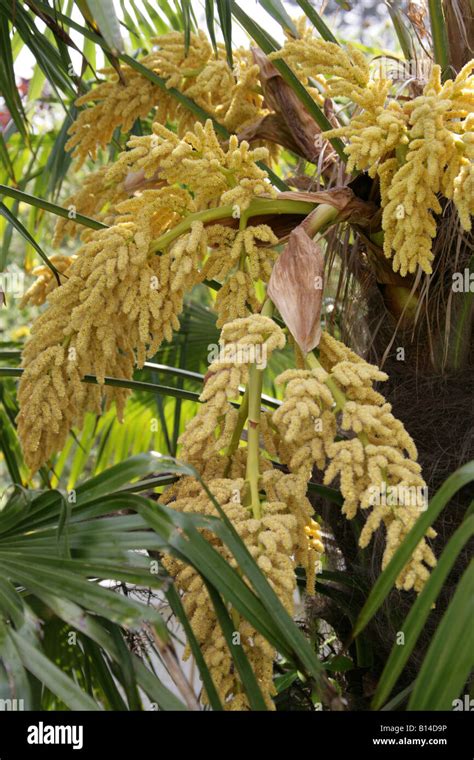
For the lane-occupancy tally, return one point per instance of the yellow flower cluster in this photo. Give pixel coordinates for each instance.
(459, 180)
(114, 309)
(158, 210)
(378, 468)
(271, 541)
(374, 132)
(313, 531)
(122, 293)
(437, 161)
(315, 84)
(239, 258)
(170, 56)
(345, 71)
(243, 341)
(303, 440)
(235, 297)
(463, 186)
(418, 148)
(230, 96)
(46, 280)
(290, 490)
(116, 105)
(119, 299)
(215, 176)
(375, 461)
(190, 175)
(95, 198)
(283, 536)
(223, 254)
(74, 337)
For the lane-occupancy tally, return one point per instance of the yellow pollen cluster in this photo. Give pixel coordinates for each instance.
(230, 96)
(375, 458)
(408, 218)
(236, 297)
(121, 296)
(303, 441)
(158, 210)
(46, 280)
(239, 259)
(459, 185)
(271, 541)
(345, 71)
(115, 105)
(290, 490)
(358, 385)
(176, 203)
(243, 341)
(223, 254)
(419, 148)
(284, 537)
(313, 531)
(375, 131)
(215, 176)
(96, 198)
(114, 309)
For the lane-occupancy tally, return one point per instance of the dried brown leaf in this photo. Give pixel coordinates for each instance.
(279, 97)
(296, 288)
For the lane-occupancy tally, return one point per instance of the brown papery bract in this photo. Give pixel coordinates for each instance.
(296, 288)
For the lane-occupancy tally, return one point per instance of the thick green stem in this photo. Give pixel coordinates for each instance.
(337, 394)
(257, 207)
(239, 426)
(253, 441)
(323, 216)
(244, 404)
(254, 391)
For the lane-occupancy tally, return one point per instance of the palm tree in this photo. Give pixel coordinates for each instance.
(68, 552)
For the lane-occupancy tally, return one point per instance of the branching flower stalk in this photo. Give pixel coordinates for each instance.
(338, 395)
(255, 208)
(376, 456)
(253, 443)
(254, 390)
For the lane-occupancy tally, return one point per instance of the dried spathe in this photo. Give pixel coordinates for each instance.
(296, 288)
